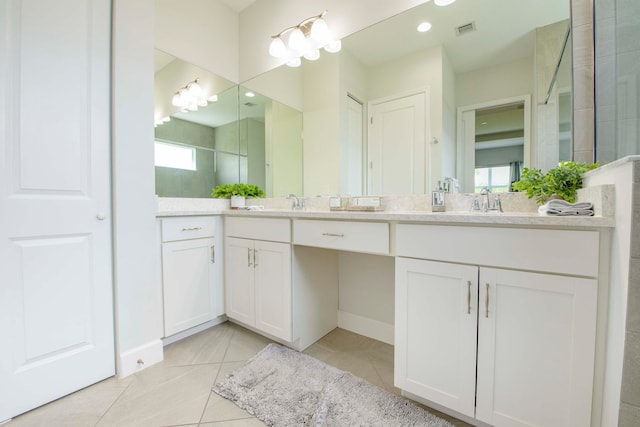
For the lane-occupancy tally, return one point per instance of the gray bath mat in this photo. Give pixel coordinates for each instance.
(282, 388)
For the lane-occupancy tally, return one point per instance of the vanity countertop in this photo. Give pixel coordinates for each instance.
(452, 217)
(519, 210)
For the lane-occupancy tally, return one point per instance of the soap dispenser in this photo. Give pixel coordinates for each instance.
(437, 199)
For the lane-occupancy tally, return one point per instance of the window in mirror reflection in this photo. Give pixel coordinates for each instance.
(175, 156)
(495, 179)
(499, 147)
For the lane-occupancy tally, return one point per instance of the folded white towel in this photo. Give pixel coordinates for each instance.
(564, 208)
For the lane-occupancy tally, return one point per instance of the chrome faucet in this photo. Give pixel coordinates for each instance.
(298, 204)
(484, 194)
(496, 206)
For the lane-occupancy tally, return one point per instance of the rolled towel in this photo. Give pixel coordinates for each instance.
(564, 208)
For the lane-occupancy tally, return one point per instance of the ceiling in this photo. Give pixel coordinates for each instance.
(504, 32)
(238, 5)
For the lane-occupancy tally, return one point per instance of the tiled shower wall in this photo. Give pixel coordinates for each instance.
(617, 71)
(617, 65)
(630, 392)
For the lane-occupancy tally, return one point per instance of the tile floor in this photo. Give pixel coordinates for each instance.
(177, 392)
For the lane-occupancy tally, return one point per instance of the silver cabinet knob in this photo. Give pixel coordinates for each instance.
(101, 216)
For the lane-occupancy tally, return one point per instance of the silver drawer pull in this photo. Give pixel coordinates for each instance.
(191, 228)
(333, 234)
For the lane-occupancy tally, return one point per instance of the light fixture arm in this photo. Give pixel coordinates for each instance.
(300, 26)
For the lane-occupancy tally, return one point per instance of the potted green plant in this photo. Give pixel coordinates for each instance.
(561, 182)
(238, 193)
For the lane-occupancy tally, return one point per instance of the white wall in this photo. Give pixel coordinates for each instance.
(202, 32)
(138, 289)
(284, 84)
(366, 300)
(502, 81)
(321, 120)
(449, 114)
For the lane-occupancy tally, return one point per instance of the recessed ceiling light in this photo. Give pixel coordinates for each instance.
(424, 27)
(249, 94)
(443, 2)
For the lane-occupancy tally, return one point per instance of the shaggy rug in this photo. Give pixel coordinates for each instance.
(283, 387)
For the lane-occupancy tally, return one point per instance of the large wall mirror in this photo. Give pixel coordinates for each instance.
(493, 60)
(232, 134)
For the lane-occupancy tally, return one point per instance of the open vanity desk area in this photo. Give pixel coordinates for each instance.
(493, 316)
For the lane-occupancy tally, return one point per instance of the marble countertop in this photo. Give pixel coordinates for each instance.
(518, 210)
(453, 217)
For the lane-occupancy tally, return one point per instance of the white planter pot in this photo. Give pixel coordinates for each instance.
(237, 202)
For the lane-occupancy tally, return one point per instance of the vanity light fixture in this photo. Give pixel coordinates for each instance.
(190, 97)
(443, 2)
(304, 40)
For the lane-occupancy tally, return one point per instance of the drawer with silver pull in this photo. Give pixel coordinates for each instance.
(186, 228)
(355, 236)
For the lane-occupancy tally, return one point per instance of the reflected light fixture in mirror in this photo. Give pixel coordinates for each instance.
(443, 2)
(190, 97)
(304, 40)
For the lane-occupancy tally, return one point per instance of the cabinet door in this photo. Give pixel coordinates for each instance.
(239, 287)
(188, 284)
(273, 288)
(435, 332)
(536, 341)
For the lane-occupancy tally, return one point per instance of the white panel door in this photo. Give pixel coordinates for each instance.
(272, 263)
(239, 288)
(397, 146)
(435, 332)
(56, 304)
(536, 344)
(188, 280)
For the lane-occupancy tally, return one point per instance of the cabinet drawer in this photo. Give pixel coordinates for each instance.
(370, 237)
(555, 251)
(271, 229)
(185, 228)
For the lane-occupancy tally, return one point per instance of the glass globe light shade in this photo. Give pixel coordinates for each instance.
(176, 100)
(333, 46)
(320, 30)
(296, 40)
(295, 62)
(312, 55)
(277, 48)
(194, 89)
(192, 107)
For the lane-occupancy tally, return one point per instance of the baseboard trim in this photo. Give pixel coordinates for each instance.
(149, 354)
(364, 326)
(192, 331)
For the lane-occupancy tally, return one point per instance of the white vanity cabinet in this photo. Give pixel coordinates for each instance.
(190, 276)
(505, 346)
(258, 274)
